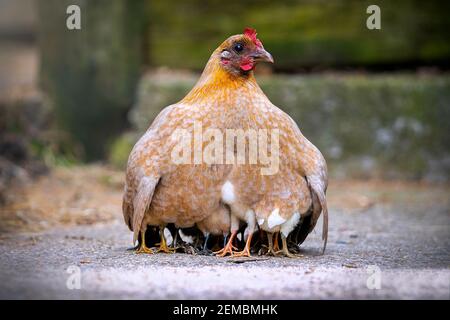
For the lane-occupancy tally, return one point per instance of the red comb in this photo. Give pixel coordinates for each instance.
(251, 33)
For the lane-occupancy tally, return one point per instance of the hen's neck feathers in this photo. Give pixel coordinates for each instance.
(218, 83)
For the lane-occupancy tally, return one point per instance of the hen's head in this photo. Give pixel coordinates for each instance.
(239, 54)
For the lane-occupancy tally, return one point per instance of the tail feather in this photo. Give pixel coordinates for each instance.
(323, 204)
(127, 207)
(142, 202)
(319, 194)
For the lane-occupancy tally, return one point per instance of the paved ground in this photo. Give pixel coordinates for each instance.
(412, 254)
(407, 239)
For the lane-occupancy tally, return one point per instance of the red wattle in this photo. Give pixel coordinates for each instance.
(246, 66)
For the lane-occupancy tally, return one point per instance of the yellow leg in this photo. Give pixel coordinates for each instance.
(163, 244)
(228, 248)
(270, 240)
(285, 250)
(246, 251)
(276, 247)
(143, 248)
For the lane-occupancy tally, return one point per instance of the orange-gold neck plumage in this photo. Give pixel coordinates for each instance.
(230, 66)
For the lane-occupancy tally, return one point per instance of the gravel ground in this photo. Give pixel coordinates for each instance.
(409, 246)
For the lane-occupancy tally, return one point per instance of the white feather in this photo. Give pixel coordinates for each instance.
(168, 236)
(250, 219)
(287, 227)
(186, 238)
(228, 193)
(275, 219)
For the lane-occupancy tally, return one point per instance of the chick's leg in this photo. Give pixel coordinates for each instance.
(205, 250)
(251, 224)
(246, 251)
(143, 247)
(228, 247)
(205, 244)
(285, 250)
(225, 236)
(163, 244)
(276, 247)
(271, 246)
(175, 239)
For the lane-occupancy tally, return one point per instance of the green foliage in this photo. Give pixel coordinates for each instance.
(387, 126)
(29, 136)
(361, 122)
(301, 33)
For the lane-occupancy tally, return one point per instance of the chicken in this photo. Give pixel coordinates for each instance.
(282, 208)
(176, 175)
(217, 224)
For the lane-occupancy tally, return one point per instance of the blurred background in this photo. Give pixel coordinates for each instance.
(376, 102)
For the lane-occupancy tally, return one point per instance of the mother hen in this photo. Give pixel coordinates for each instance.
(171, 178)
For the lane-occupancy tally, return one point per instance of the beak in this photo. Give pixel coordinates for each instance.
(262, 55)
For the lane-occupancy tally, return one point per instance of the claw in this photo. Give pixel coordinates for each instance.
(246, 252)
(228, 248)
(285, 249)
(205, 252)
(142, 248)
(163, 244)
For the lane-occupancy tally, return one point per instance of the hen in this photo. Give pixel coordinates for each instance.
(176, 175)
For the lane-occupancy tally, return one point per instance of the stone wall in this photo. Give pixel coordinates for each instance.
(387, 126)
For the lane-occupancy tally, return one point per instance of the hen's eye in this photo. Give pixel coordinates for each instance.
(238, 47)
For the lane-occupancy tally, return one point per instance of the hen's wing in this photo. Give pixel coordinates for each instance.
(142, 201)
(137, 201)
(312, 165)
(142, 175)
